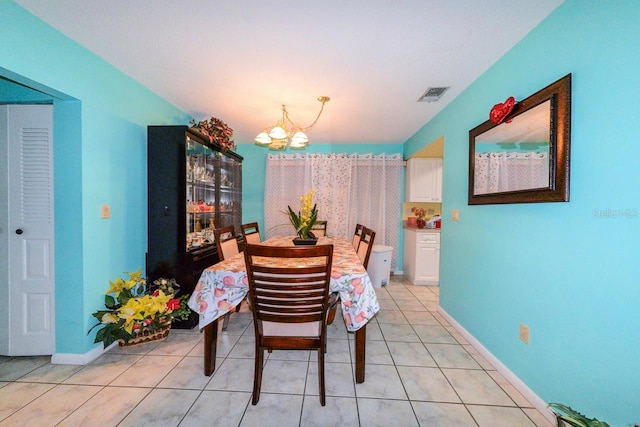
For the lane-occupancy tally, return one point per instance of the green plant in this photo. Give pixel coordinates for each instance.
(575, 418)
(132, 311)
(304, 220)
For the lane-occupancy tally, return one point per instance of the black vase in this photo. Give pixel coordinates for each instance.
(301, 242)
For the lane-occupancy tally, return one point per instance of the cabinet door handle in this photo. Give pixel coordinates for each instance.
(19, 231)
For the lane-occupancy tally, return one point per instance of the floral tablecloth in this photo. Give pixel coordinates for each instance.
(223, 285)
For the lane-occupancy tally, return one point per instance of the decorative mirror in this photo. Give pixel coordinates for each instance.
(521, 155)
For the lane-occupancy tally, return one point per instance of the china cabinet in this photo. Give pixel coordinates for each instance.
(193, 188)
(423, 180)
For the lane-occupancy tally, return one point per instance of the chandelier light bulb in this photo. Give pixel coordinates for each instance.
(278, 133)
(263, 139)
(299, 140)
(300, 137)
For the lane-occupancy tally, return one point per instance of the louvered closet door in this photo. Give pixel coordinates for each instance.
(30, 231)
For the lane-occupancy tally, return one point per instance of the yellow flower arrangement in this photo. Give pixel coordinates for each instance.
(304, 220)
(134, 311)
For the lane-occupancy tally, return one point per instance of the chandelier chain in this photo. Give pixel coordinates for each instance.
(294, 126)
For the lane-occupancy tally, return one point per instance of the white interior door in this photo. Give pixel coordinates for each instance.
(28, 230)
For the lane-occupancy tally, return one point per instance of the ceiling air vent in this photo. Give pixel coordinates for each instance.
(433, 94)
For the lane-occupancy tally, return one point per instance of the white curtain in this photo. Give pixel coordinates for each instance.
(348, 189)
(498, 172)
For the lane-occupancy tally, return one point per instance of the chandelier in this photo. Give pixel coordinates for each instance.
(285, 133)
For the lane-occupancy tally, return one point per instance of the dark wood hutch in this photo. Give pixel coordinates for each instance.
(193, 187)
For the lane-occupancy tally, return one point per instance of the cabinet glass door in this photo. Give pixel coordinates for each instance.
(230, 192)
(201, 203)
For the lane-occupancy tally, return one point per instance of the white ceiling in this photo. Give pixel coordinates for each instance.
(241, 60)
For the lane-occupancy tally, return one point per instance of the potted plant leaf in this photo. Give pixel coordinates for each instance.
(570, 417)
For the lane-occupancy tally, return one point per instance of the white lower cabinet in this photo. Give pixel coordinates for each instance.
(421, 258)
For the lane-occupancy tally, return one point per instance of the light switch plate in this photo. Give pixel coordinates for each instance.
(455, 215)
(524, 333)
(105, 212)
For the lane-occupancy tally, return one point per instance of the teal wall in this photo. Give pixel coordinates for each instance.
(100, 121)
(569, 271)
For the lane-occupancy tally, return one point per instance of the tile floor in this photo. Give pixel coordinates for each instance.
(419, 372)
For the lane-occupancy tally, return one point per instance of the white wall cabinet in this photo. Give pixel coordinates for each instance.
(423, 180)
(421, 259)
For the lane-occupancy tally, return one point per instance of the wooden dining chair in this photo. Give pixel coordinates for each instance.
(366, 243)
(227, 244)
(363, 249)
(251, 233)
(289, 304)
(319, 229)
(356, 236)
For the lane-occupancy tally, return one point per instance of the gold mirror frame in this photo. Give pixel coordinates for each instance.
(559, 95)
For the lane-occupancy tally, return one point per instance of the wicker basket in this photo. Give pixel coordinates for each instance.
(146, 336)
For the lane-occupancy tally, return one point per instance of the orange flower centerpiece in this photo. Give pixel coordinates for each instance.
(134, 316)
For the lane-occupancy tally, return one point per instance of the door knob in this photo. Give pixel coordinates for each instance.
(19, 231)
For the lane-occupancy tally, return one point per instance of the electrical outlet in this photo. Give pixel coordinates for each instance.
(105, 211)
(524, 333)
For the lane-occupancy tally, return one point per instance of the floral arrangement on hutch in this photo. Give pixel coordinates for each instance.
(305, 219)
(136, 314)
(421, 214)
(216, 131)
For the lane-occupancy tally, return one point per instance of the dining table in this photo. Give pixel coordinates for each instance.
(224, 285)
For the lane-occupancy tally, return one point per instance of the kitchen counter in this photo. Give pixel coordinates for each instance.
(422, 230)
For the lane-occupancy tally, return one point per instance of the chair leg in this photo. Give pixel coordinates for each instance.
(227, 316)
(257, 375)
(333, 306)
(210, 346)
(331, 315)
(321, 376)
(225, 321)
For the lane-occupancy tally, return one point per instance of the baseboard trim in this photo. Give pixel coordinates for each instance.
(516, 382)
(80, 359)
